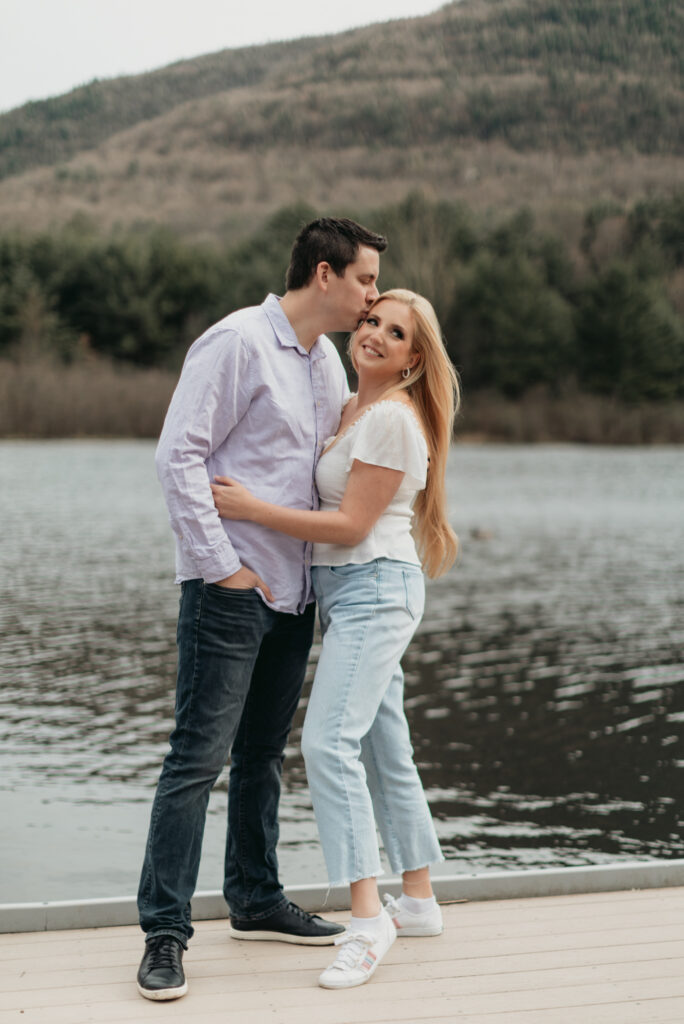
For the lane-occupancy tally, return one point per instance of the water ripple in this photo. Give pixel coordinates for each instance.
(543, 688)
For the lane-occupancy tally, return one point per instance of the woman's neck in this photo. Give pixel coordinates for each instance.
(372, 391)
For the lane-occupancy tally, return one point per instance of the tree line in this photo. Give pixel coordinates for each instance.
(579, 74)
(520, 307)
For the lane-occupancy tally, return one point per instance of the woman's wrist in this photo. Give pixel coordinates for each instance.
(258, 511)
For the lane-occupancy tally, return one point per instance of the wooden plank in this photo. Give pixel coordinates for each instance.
(341, 1007)
(427, 981)
(534, 990)
(529, 884)
(475, 913)
(429, 966)
(629, 973)
(660, 1012)
(529, 915)
(462, 947)
(618, 1013)
(230, 956)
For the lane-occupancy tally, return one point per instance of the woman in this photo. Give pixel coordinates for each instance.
(376, 495)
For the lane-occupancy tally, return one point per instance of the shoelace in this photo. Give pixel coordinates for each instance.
(393, 907)
(293, 908)
(163, 954)
(354, 946)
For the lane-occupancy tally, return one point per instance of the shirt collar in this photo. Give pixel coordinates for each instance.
(284, 331)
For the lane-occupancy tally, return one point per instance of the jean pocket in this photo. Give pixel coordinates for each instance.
(356, 569)
(229, 591)
(414, 593)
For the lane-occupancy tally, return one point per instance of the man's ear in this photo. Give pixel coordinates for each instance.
(323, 272)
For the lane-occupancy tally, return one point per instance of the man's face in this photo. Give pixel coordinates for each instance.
(352, 295)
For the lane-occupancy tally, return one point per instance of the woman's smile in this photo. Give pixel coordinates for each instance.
(386, 336)
(369, 350)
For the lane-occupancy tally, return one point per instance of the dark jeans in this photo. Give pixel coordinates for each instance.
(240, 672)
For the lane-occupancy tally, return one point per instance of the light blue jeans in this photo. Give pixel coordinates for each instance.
(356, 744)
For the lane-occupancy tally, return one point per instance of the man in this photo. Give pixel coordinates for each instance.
(259, 394)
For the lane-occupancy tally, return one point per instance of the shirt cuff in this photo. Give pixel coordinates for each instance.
(218, 566)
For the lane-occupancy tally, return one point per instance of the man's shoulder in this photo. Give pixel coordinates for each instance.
(246, 321)
(240, 330)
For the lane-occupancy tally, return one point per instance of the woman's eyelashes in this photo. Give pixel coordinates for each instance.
(396, 331)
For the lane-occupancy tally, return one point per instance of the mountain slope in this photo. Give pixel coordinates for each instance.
(493, 100)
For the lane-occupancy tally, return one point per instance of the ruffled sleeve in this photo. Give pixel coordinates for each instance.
(388, 435)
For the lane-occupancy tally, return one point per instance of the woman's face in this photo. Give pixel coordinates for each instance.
(383, 344)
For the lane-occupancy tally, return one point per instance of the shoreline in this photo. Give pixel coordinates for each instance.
(94, 398)
(474, 439)
(317, 898)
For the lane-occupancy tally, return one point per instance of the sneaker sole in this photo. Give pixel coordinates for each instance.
(346, 984)
(297, 940)
(162, 995)
(419, 932)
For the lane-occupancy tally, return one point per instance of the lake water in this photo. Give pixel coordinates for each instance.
(545, 687)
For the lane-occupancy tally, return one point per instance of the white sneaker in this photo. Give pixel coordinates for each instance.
(407, 923)
(359, 956)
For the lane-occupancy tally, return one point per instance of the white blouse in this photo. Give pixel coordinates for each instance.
(387, 434)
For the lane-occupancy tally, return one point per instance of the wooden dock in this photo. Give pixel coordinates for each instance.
(603, 957)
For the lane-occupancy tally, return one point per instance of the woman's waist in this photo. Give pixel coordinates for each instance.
(394, 548)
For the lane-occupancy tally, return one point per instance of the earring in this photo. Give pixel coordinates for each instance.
(406, 372)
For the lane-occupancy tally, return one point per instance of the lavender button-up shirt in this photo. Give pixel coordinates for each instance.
(254, 405)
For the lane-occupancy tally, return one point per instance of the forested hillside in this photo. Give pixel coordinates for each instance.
(485, 100)
(525, 158)
(578, 72)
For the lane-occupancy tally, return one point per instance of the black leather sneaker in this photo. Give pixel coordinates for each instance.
(160, 975)
(288, 924)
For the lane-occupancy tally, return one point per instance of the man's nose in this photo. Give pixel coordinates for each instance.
(372, 293)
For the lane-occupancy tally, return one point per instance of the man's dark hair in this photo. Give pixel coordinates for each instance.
(330, 240)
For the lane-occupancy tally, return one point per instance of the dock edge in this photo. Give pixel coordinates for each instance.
(105, 913)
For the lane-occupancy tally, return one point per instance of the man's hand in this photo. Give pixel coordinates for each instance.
(245, 579)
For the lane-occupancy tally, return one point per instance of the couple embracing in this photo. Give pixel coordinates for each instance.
(281, 486)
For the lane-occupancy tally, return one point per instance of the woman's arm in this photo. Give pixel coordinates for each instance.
(369, 491)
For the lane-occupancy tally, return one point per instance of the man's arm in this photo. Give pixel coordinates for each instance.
(212, 395)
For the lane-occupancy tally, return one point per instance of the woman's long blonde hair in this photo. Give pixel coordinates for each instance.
(434, 389)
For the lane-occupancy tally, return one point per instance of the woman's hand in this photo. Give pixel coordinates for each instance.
(232, 499)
